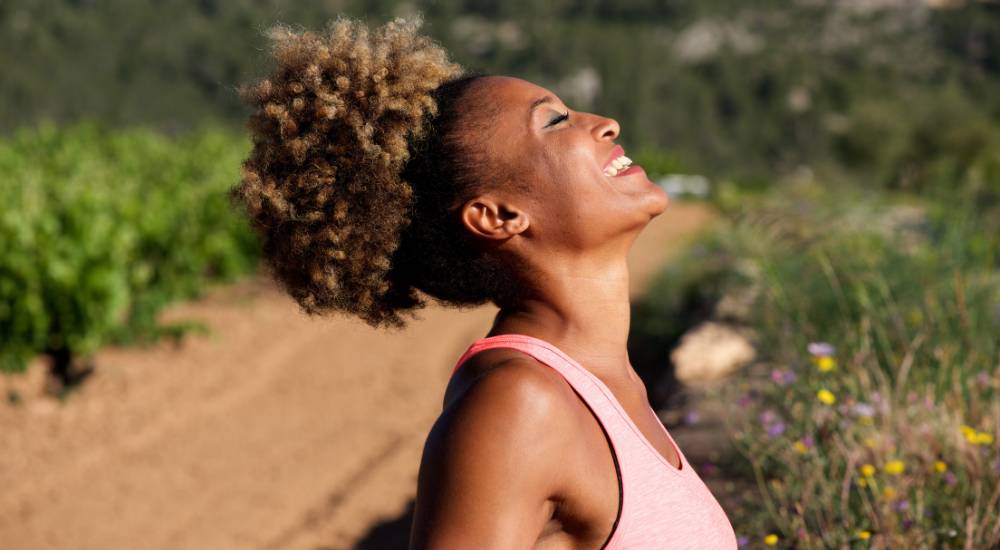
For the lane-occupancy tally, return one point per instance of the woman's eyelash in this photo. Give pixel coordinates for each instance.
(558, 119)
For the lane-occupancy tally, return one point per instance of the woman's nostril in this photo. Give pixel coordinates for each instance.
(607, 128)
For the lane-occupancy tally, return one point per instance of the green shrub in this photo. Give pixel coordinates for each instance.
(100, 229)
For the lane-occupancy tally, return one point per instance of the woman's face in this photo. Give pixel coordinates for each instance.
(565, 194)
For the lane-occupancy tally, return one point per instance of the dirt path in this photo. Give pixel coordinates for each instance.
(275, 432)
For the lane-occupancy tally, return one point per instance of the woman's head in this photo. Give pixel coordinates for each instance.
(551, 185)
(379, 169)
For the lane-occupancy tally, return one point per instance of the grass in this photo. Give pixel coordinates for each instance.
(871, 416)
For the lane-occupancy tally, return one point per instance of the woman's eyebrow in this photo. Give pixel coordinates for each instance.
(540, 101)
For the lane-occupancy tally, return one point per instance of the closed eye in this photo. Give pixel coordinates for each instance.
(558, 119)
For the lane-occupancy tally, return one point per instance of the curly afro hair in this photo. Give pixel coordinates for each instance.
(360, 157)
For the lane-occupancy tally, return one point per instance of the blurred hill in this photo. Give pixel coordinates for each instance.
(905, 93)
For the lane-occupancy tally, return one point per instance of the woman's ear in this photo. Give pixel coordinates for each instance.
(492, 219)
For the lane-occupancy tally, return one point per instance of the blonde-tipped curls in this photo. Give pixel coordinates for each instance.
(332, 128)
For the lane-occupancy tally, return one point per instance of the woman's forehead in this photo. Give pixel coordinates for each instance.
(514, 93)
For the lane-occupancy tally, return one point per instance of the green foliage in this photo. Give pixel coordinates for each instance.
(896, 93)
(906, 293)
(657, 162)
(100, 229)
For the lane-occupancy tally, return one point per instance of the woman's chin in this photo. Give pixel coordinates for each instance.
(657, 200)
(651, 204)
(635, 183)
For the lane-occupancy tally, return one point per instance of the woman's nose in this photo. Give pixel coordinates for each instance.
(606, 128)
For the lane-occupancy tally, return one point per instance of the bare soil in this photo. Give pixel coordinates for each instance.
(275, 431)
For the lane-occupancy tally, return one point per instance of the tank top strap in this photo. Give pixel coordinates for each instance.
(544, 352)
(625, 436)
(590, 388)
(621, 429)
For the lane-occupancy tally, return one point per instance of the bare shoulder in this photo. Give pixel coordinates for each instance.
(514, 400)
(494, 460)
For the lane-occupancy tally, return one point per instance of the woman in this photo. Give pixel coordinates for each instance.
(380, 170)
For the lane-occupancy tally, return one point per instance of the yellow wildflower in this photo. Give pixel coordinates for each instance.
(862, 482)
(771, 539)
(800, 447)
(825, 363)
(968, 432)
(867, 470)
(940, 467)
(826, 397)
(866, 421)
(975, 437)
(864, 535)
(895, 467)
(869, 442)
(888, 492)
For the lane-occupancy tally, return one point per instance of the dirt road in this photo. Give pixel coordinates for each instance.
(275, 432)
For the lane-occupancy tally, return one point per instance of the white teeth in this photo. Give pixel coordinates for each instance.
(617, 165)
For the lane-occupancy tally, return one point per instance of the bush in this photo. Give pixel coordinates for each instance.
(99, 230)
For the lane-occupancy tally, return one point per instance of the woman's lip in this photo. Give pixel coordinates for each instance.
(634, 169)
(615, 153)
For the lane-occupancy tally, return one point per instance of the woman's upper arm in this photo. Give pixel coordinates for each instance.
(492, 461)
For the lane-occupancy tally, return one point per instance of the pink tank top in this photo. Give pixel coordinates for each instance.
(661, 506)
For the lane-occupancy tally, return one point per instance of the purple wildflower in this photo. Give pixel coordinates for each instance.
(983, 378)
(691, 417)
(776, 429)
(808, 441)
(742, 541)
(768, 417)
(902, 505)
(783, 377)
(820, 349)
(863, 409)
(950, 478)
(744, 400)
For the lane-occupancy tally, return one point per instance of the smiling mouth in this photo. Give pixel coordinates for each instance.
(618, 164)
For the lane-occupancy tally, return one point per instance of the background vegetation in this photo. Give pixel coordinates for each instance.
(872, 411)
(902, 92)
(100, 229)
(854, 148)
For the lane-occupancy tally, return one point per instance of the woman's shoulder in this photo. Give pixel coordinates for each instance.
(505, 397)
(508, 382)
(509, 420)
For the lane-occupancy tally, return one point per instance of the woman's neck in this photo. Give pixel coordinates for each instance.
(582, 309)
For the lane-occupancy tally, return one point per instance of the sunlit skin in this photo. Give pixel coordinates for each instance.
(516, 460)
